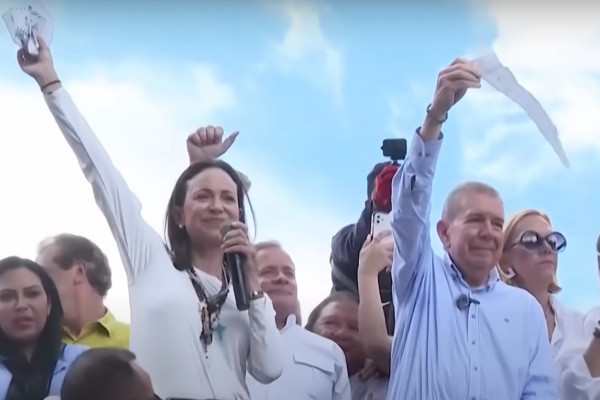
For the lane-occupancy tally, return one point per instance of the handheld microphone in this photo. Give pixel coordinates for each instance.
(235, 262)
(463, 302)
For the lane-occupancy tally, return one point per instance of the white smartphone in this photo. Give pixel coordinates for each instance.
(380, 222)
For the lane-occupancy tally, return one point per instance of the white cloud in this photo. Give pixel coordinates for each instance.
(305, 50)
(45, 193)
(554, 51)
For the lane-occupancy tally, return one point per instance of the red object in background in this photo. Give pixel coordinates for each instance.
(382, 195)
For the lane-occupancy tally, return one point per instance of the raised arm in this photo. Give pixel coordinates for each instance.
(346, 244)
(207, 144)
(412, 184)
(375, 256)
(136, 240)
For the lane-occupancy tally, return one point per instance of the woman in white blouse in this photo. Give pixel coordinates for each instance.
(185, 327)
(530, 261)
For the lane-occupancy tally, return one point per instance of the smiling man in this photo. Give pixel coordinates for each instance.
(460, 333)
(314, 367)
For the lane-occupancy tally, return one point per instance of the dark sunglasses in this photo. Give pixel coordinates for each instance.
(533, 241)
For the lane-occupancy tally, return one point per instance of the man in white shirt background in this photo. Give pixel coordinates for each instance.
(315, 367)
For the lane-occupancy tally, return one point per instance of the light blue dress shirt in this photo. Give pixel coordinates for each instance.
(69, 354)
(496, 348)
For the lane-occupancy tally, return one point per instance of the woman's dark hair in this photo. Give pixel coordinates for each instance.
(178, 240)
(53, 327)
(33, 376)
(334, 297)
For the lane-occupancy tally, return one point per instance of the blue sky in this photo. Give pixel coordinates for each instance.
(313, 87)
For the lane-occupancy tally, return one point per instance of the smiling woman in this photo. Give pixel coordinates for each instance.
(34, 360)
(186, 329)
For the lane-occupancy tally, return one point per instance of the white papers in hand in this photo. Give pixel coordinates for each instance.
(502, 79)
(25, 23)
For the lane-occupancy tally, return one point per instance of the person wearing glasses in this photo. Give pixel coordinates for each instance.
(529, 261)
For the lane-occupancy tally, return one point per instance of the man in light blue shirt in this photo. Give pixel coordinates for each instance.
(461, 333)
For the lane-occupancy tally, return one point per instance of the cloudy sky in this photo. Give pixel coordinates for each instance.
(313, 87)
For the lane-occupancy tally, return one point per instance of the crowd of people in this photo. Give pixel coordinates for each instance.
(480, 322)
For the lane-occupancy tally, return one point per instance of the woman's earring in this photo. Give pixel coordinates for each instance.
(180, 226)
(510, 273)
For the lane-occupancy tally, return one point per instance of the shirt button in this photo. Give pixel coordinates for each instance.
(475, 368)
(473, 342)
(473, 316)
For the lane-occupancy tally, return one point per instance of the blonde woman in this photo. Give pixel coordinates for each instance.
(529, 261)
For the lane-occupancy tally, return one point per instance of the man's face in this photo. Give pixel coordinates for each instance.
(63, 279)
(277, 277)
(338, 322)
(474, 237)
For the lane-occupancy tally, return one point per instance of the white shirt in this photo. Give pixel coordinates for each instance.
(165, 322)
(371, 389)
(315, 369)
(576, 331)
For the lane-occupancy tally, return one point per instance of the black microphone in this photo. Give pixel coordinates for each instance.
(235, 262)
(463, 302)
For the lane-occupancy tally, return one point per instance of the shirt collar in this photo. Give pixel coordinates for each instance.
(456, 274)
(107, 324)
(290, 322)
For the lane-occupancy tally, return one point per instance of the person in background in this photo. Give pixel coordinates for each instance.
(336, 318)
(347, 242)
(82, 275)
(107, 373)
(315, 367)
(529, 261)
(461, 333)
(186, 329)
(375, 256)
(33, 359)
(579, 364)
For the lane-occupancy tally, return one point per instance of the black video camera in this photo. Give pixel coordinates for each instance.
(395, 149)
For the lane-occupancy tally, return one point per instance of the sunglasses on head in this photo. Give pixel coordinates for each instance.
(533, 241)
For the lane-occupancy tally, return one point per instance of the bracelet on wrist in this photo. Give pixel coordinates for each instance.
(47, 85)
(433, 116)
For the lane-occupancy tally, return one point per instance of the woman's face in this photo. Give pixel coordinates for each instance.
(339, 322)
(210, 202)
(24, 307)
(532, 252)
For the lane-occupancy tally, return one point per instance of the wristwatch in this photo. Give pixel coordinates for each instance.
(257, 294)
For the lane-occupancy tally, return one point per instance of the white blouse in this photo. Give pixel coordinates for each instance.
(571, 338)
(165, 322)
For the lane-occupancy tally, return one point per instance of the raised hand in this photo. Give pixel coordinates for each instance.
(40, 67)
(207, 143)
(452, 84)
(376, 254)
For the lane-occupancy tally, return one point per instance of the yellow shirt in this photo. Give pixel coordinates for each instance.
(106, 332)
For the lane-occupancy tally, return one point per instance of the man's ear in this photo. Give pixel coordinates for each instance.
(79, 272)
(442, 231)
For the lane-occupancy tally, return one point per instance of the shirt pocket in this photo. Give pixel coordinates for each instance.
(318, 374)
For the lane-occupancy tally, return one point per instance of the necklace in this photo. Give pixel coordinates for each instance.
(209, 307)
